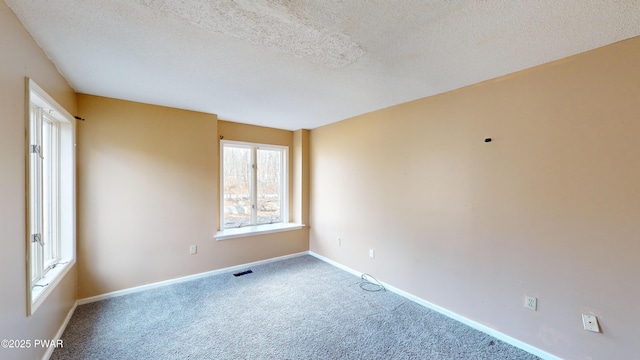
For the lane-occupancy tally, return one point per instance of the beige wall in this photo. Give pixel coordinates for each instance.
(301, 176)
(146, 190)
(148, 185)
(20, 57)
(550, 208)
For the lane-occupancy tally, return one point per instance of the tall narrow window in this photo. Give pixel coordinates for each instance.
(253, 184)
(51, 196)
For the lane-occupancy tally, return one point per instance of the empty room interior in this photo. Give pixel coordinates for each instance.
(480, 159)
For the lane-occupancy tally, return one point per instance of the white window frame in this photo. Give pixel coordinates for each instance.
(254, 228)
(51, 213)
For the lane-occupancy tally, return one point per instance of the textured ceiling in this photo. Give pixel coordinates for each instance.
(295, 64)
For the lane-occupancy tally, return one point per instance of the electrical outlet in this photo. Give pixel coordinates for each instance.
(590, 323)
(193, 249)
(338, 241)
(531, 303)
(372, 253)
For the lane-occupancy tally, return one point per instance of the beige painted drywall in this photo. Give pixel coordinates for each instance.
(550, 208)
(301, 176)
(147, 190)
(257, 134)
(20, 56)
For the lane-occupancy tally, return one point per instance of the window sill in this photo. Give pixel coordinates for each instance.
(46, 285)
(256, 230)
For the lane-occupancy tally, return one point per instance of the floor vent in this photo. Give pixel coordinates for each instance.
(243, 273)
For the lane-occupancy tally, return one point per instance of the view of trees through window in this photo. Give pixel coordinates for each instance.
(249, 198)
(269, 185)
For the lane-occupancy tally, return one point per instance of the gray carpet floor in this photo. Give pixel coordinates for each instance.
(300, 308)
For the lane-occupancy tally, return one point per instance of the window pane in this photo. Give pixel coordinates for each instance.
(237, 186)
(48, 193)
(35, 193)
(269, 185)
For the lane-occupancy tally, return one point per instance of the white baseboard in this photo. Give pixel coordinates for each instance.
(185, 278)
(58, 335)
(336, 264)
(485, 329)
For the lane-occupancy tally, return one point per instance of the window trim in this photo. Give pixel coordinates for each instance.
(39, 104)
(255, 228)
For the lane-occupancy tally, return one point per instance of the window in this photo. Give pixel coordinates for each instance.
(51, 195)
(253, 184)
